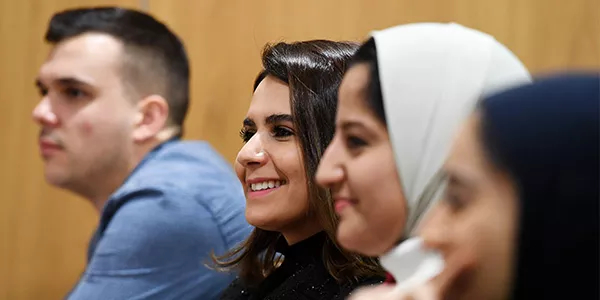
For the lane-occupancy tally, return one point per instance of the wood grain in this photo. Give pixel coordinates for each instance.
(224, 39)
(44, 231)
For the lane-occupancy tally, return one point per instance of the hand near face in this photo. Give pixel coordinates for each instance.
(443, 286)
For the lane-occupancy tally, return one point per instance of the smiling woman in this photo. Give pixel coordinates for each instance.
(400, 103)
(271, 155)
(289, 123)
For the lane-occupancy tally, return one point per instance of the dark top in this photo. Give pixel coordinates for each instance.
(302, 275)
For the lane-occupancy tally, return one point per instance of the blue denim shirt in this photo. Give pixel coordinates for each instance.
(158, 229)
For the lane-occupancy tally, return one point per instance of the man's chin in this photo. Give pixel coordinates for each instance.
(56, 179)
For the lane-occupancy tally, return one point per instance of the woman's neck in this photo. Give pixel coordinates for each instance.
(300, 233)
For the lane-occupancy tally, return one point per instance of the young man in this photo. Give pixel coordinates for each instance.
(115, 91)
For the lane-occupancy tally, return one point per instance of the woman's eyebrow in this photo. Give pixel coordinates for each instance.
(278, 118)
(248, 122)
(460, 179)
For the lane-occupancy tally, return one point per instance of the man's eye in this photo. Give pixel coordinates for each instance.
(74, 93)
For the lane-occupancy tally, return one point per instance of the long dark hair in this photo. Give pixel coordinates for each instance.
(313, 71)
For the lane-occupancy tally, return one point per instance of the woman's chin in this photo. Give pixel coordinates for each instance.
(351, 241)
(261, 221)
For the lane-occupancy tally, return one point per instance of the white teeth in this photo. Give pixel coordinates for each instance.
(266, 185)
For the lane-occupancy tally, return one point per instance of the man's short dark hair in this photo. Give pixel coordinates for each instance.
(155, 60)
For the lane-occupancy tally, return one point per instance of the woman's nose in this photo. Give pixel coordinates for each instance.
(434, 228)
(252, 153)
(330, 171)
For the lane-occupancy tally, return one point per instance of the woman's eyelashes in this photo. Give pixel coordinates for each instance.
(246, 134)
(279, 132)
(354, 143)
(455, 200)
(282, 132)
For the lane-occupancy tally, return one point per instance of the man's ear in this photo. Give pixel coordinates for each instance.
(151, 117)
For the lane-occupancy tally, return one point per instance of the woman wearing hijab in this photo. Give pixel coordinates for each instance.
(520, 216)
(292, 252)
(400, 103)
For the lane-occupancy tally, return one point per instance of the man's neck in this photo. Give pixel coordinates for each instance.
(99, 194)
(114, 181)
(99, 201)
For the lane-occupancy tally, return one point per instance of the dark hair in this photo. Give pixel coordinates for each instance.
(367, 53)
(313, 71)
(155, 59)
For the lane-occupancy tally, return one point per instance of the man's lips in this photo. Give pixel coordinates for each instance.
(47, 147)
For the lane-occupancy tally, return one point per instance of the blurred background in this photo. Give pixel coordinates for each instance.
(44, 231)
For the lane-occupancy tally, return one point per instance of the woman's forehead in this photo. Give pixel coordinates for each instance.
(354, 84)
(272, 97)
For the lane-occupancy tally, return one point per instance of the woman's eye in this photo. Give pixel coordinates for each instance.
(353, 142)
(246, 134)
(281, 132)
(455, 201)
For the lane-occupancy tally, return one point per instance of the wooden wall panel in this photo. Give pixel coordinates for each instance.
(224, 39)
(43, 231)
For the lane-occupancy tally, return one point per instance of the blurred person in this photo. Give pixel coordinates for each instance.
(115, 92)
(520, 216)
(292, 252)
(406, 92)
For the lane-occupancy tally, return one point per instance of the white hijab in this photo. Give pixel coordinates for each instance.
(432, 76)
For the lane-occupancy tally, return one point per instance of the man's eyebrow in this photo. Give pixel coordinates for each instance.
(64, 81)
